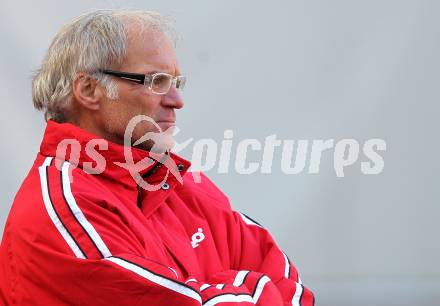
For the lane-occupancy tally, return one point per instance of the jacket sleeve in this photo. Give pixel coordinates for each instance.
(125, 279)
(255, 250)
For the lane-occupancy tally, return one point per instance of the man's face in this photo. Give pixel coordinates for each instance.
(147, 52)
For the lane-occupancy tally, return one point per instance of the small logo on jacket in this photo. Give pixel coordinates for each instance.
(197, 237)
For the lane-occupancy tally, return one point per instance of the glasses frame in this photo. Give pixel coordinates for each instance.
(147, 79)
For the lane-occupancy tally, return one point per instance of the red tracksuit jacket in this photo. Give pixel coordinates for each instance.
(76, 238)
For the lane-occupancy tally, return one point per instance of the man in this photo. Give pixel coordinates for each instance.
(95, 225)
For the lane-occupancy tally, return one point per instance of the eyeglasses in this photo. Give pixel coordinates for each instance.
(159, 83)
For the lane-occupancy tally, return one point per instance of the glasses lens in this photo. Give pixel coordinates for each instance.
(181, 81)
(161, 83)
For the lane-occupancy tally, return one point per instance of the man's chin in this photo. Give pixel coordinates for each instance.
(164, 126)
(158, 144)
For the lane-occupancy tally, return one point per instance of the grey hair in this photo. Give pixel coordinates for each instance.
(91, 42)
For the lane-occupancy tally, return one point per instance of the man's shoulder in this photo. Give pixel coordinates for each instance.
(35, 201)
(52, 190)
(51, 181)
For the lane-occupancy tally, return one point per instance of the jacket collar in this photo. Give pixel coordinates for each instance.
(109, 160)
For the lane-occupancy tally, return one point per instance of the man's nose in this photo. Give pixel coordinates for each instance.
(173, 98)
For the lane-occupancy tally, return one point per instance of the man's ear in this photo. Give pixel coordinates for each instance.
(86, 91)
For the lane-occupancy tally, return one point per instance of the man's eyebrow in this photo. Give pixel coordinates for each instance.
(159, 68)
(153, 71)
(162, 71)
